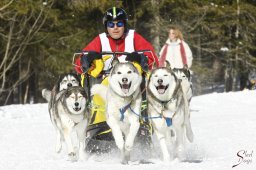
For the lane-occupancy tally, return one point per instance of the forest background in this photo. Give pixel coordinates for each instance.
(39, 37)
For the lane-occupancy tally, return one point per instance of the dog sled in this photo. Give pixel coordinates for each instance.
(99, 138)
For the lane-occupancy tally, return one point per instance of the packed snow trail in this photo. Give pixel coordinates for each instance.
(223, 125)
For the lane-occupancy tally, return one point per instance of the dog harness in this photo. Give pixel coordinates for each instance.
(105, 46)
(163, 104)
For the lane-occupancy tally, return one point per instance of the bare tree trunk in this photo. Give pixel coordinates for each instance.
(20, 90)
(155, 29)
(235, 70)
(25, 99)
(228, 79)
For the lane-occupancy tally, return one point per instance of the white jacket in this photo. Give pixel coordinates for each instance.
(173, 55)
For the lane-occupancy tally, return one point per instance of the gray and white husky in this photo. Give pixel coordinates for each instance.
(69, 113)
(123, 105)
(169, 111)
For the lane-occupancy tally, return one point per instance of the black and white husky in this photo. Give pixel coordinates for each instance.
(168, 109)
(69, 113)
(64, 81)
(123, 105)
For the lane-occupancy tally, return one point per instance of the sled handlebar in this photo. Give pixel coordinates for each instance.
(78, 54)
(123, 53)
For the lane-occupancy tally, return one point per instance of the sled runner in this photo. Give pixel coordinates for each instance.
(99, 137)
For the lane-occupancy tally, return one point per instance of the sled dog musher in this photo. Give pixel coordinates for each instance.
(94, 66)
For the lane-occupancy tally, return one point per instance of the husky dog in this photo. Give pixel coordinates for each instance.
(64, 81)
(168, 110)
(123, 105)
(69, 113)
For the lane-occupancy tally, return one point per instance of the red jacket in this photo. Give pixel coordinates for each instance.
(118, 46)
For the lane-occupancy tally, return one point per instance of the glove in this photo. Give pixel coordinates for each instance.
(133, 57)
(144, 63)
(186, 71)
(141, 59)
(86, 60)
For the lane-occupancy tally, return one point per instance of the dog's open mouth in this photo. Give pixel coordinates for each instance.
(125, 87)
(77, 109)
(161, 88)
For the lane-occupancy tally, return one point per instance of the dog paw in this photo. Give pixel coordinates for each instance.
(166, 159)
(125, 159)
(72, 157)
(124, 162)
(181, 154)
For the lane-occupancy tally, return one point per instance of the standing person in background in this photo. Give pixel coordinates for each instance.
(178, 54)
(176, 51)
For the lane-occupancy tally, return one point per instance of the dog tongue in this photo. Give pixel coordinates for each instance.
(161, 91)
(125, 88)
(125, 91)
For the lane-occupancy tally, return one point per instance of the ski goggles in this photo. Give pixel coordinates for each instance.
(111, 24)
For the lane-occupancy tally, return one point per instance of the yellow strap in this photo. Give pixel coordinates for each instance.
(96, 68)
(106, 57)
(148, 75)
(107, 131)
(138, 67)
(82, 79)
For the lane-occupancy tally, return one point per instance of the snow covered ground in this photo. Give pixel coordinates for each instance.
(224, 125)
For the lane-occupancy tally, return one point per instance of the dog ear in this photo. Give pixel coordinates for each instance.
(58, 82)
(154, 66)
(167, 64)
(83, 92)
(67, 92)
(78, 78)
(114, 62)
